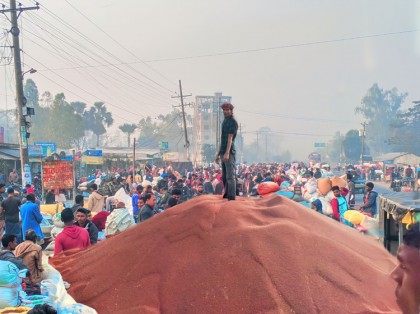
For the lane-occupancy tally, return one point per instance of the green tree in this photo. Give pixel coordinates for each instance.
(30, 90)
(163, 128)
(407, 135)
(148, 133)
(38, 125)
(128, 129)
(380, 108)
(65, 126)
(98, 118)
(208, 151)
(352, 145)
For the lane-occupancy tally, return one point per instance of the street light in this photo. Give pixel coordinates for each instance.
(31, 70)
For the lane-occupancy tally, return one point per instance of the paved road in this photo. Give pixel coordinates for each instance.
(380, 187)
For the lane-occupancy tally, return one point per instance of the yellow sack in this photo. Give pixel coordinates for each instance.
(324, 185)
(339, 182)
(408, 218)
(51, 209)
(354, 216)
(15, 310)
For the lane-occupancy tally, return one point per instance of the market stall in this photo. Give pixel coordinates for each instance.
(396, 210)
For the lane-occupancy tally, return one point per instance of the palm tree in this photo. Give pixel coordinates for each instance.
(128, 129)
(98, 119)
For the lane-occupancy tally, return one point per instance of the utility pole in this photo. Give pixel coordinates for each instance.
(20, 98)
(219, 96)
(266, 148)
(242, 142)
(134, 160)
(258, 147)
(187, 143)
(363, 135)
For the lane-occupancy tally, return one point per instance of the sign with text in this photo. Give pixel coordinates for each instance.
(92, 157)
(57, 175)
(320, 144)
(163, 145)
(47, 148)
(93, 152)
(92, 160)
(172, 156)
(34, 151)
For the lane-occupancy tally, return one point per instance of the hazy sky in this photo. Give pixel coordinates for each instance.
(306, 89)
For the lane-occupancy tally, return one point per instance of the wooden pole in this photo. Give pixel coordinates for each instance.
(134, 160)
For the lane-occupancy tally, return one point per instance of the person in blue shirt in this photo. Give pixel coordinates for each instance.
(134, 203)
(31, 216)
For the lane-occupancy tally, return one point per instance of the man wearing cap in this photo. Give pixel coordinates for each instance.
(227, 151)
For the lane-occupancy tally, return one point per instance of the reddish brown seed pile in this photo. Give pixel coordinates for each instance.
(249, 256)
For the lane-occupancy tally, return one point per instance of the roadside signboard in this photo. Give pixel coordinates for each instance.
(163, 145)
(34, 151)
(47, 148)
(320, 144)
(58, 175)
(92, 157)
(171, 156)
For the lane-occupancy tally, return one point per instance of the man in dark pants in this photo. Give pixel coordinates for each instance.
(227, 151)
(10, 206)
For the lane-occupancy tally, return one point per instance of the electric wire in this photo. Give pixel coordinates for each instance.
(86, 51)
(69, 26)
(313, 43)
(93, 78)
(275, 115)
(118, 43)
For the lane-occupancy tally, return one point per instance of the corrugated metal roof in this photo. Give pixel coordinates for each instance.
(389, 156)
(8, 157)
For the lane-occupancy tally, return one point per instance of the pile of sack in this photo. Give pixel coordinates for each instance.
(10, 284)
(53, 292)
(11, 292)
(319, 191)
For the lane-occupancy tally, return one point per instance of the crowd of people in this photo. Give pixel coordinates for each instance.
(121, 199)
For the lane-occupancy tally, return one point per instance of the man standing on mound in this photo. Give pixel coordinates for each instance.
(227, 151)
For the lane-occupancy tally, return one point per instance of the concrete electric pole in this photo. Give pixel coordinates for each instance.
(187, 143)
(363, 135)
(20, 98)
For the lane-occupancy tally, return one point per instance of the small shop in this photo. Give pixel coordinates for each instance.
(397, 211)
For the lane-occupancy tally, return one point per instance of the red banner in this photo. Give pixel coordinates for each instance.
(57, 175)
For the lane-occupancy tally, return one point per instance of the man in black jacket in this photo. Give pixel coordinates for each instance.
(370, 197)
(83, 222)
(148, 211)
(227, 151)
(9, 242)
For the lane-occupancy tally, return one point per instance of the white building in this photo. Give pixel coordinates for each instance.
(207, 119)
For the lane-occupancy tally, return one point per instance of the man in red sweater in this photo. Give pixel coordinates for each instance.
(339, 204)
(72, 236)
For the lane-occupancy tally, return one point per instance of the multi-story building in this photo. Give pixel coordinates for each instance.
(207, 119)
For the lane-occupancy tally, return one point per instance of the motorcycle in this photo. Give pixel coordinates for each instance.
(396, 185)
